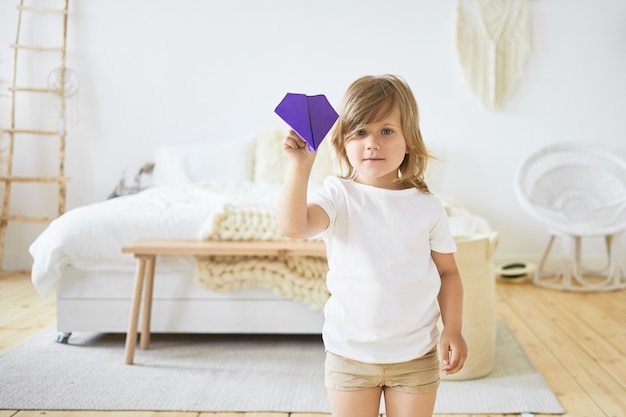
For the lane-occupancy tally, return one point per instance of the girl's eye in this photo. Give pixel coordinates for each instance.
(360, 132)
(387, 131)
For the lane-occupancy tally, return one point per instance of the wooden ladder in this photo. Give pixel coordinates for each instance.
(14, 131)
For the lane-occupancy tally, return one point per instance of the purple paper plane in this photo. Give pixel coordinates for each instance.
(310, 116)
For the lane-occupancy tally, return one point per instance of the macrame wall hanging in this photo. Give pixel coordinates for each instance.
(493, 44)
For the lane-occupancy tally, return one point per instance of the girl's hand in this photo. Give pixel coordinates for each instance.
(297, 149)
(453, 352)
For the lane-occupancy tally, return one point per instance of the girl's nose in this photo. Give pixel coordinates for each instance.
(372, 143)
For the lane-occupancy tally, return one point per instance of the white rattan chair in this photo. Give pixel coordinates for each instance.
(577, 190)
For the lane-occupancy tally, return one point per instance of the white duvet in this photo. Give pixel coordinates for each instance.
(91, 237)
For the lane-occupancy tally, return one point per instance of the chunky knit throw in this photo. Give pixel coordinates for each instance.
(302, 278)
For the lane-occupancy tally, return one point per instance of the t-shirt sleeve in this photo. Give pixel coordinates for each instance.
(441, 239)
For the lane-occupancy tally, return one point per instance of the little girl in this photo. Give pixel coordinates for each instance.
(390, 252)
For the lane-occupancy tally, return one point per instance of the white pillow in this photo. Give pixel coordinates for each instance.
(169, 166)
(270, 161)
(224, 160)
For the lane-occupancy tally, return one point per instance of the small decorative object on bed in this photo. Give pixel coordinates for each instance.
(138, 182)
(80, 256)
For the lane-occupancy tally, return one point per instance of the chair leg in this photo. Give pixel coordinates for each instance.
(573, 276)
(616, 271)
(540, 272)
(571, 257)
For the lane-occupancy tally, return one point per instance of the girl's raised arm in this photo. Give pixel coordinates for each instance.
(295, 217)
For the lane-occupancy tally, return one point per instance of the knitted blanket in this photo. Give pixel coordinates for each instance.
(302, 278)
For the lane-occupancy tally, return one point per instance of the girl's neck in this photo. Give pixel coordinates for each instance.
(386, 183)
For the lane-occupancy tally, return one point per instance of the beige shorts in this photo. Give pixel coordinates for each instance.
(415, 376)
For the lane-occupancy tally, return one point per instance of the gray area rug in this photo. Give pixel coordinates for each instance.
(216, 373)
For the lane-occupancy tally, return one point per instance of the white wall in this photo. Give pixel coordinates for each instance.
(165, 71)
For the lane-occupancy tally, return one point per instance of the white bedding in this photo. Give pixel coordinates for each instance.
(91, 237)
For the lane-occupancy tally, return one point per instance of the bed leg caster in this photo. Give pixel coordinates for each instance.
(63, 337)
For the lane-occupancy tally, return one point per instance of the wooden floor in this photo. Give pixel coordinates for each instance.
(576, 340)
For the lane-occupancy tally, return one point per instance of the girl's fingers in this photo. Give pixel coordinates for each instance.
(455, 362)
(294, 141)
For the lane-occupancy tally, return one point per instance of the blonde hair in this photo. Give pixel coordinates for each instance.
(370, 99)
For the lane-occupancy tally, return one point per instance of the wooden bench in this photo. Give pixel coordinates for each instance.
(147, 250)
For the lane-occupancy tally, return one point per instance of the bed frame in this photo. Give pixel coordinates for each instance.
(100, 302)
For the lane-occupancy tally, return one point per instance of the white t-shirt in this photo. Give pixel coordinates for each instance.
(382, 279)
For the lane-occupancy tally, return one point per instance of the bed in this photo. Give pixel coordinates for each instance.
(220, 191)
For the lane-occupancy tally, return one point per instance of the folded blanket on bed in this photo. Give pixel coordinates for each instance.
(302, 278)
(242, 222)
